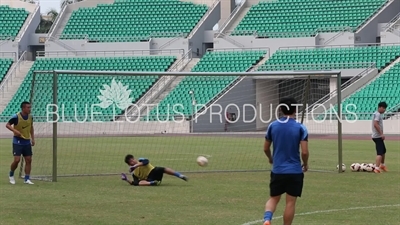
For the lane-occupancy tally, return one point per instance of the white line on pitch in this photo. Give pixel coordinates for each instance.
(326, 211)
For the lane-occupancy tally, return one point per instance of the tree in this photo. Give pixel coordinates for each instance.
(46, 21)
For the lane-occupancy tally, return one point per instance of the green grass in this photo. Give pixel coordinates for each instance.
(208, 198)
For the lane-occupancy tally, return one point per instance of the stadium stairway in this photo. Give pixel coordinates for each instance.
(207, 89)
(234, 20)
(145, 103)
(383, 87)
(11, 88)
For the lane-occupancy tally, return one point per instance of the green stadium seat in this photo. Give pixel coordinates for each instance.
(332, 58)
(205, 87)
(11, 21)
(134, 20)
(305, 18)
(384, 88)
(5, 65)
(83, 90)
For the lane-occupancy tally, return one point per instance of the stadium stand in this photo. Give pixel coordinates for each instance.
(11, 21)
(384, 88)
(82, 91)
(303, 18)
(134, 20)
(5, 65)
(205, 87)
(332, 58)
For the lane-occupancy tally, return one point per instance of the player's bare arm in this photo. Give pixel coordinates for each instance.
(304, 154)
(12, 129)
(267, 150)
(378, 129)
(32, 136)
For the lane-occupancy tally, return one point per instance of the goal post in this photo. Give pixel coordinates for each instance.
(87, 121)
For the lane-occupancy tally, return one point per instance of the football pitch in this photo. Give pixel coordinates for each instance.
(212, 198)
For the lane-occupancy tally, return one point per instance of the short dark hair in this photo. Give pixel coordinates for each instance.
(128, 157)
(23, 104)
(288, 106)
(382, 104)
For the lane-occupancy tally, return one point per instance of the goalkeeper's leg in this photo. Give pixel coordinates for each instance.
(140, 183)
(171, 172)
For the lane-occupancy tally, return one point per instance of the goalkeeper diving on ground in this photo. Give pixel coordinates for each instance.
(145, 174)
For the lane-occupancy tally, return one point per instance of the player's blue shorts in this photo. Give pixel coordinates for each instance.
(25, 150)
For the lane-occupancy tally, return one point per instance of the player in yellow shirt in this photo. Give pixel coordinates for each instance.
(21, 124)
(145, 174)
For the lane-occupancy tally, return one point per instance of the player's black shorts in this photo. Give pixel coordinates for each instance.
(25, 150)
(379, 146)
(291, 184)
(156, 174)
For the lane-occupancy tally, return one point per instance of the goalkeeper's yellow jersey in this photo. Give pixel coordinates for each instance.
(142, 172)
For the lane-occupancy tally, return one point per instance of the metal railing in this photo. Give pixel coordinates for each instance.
(58, 19)
(160, 86)
(372, 15)
(62, 44)
(345, 85)
(11, 74)
(231, 17)
(25, 26)
(146, 52)
(240, 49)
(5, 40)
(231, 40)
(395, 29)
(392, 22)
(339, 46)
(216, 2)
(315, 67)
(179, 36)
(13, 55)
(344, 30)
(182, 62)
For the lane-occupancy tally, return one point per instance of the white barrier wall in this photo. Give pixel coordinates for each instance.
(105, 128)
(391, 126)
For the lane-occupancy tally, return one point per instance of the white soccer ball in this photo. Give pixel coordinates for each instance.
(363, 167)
(369, 168)
(202, 161)
(343, 167)
(355, 167)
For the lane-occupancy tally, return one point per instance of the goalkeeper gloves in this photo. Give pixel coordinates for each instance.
(123, 177)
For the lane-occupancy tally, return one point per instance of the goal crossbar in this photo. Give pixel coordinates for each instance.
(256, 75)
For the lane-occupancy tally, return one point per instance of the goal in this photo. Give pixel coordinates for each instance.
(87, 121)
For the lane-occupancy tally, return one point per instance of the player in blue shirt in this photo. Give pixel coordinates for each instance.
(287, 174)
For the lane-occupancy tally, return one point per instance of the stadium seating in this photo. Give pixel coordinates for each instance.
(82, 90)
(205, 87)
(385, 88)
(5, 64)
(302, 18)
(331, 58)
(134, 20)
(11, 21)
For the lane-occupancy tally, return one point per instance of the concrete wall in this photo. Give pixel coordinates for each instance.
(25, 40)
(197, 40)
(267, 98)
(388, 37)
(351, 127)
(369, 33)
(106, 128)
(54, 49)
(213, 120)
(272, 43)
(9, 46)
(34, 39)
(170, 43)
(338, 38)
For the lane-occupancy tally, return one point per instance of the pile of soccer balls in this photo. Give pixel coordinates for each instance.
(362, 167)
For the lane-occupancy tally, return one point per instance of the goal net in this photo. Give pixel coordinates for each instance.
(87, 121)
